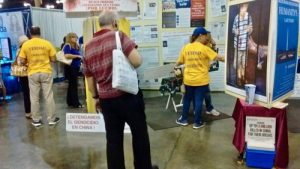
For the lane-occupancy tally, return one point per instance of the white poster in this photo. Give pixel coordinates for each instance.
(87, 122)
(138, 16)
(217, 30)
(260, 130)
(145, 34)
(218, 7)
(150, 59)
(150, 9)
(173, 43)
(183, 18)
(97, 5)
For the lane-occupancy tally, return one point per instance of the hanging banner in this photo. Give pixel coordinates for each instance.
(87, 7)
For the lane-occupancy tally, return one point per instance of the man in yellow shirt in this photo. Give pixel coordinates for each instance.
(196, 57)
(39, 53)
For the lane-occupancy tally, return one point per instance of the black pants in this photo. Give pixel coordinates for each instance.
(26, 94)
(116, 111)
(72, 93)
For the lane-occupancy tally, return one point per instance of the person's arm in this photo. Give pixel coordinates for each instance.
(235, 28)
(71, 56)
(180, 60)
(219, 58)
(21, 61)
(250, 26)
(67, 51)
(135, 59)
(52, 53)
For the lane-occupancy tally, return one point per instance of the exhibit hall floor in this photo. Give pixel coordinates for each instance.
(23, 146)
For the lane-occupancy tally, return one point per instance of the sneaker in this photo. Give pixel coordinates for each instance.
(197, 126)
(37, 123)
(213, 112)
(182, 122)
(28, 115)
(55, 121)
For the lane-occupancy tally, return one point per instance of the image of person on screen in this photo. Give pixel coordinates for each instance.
(242, 28)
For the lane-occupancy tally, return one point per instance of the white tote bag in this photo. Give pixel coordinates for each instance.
(124, 75)
(60, 56)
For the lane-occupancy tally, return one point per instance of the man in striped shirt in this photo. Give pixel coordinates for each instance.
(242, 28)
(117, 106)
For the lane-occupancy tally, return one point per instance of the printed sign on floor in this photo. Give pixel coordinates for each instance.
(87, 122)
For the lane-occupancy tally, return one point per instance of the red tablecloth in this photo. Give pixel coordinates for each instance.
(242, 110)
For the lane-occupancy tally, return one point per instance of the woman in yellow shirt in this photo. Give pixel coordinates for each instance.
(196, 57)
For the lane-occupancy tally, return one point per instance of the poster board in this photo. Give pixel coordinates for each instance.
(13, 24)
(252, 56)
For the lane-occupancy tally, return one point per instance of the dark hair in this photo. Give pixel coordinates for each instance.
(193, 38)
(35, 30)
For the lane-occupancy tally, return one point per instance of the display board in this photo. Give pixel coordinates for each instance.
(286, 48)
(148, 31)
(260, 49)
(13, 24)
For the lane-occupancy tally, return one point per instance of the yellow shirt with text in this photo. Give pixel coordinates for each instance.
(38, 53)
(196, 57)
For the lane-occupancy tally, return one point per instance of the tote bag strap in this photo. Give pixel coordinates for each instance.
(16, 59)
(118, 41)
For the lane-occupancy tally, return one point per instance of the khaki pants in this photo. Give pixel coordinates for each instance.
(37, 82)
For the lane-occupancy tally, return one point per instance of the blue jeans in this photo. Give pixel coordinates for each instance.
(208, 103)
(207, 99)
(196, 93)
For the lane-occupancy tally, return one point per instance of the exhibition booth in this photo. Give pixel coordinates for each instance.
(260, 50)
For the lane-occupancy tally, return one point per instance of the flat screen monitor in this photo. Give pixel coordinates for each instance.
(5, 49)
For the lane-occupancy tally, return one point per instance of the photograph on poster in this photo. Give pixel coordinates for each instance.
(247, 44)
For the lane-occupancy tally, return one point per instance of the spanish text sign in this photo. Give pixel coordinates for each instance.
(99, 5)
(260, 129)
(83, 122)
(86, 122)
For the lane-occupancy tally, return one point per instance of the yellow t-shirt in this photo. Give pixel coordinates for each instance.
(196, 57)
(38, 53)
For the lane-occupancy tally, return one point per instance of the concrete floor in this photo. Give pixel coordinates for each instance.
(22, 146)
